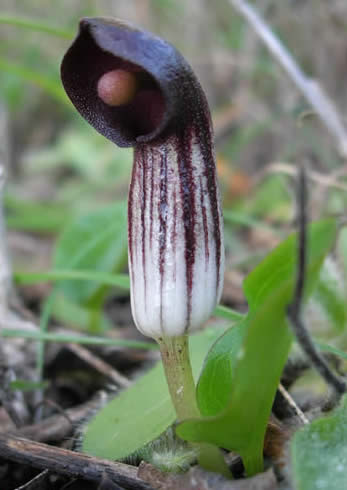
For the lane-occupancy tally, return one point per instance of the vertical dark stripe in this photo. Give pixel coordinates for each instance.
(205, 224)
(212, 192)
(187, 189)
(131, 216)
(174, 232)
(163, 213)
(150, 152)
(132, 220)
(143, 187)
(204, 137)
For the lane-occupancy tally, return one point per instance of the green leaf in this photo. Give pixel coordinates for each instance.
(342, 248)
(95, 242)
(212, 393)
(342, 254)
(319, 452)
(279, 267)
(228, 313)
(252, 372)
(142, 412)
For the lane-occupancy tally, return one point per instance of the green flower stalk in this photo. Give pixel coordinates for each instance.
(137, 90)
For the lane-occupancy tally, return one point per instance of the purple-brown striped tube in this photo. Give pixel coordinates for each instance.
(137, 90)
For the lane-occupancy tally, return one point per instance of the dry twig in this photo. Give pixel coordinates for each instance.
(294, 309)
(40, 481)
(292, 404)
(70, 463)
(322, 105)
(59, 426)
(100, 365)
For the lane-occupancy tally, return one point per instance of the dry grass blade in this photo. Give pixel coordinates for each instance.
(100, 365)
(292, 404)
(322, 105)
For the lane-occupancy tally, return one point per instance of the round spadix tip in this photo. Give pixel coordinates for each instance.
(117, 87)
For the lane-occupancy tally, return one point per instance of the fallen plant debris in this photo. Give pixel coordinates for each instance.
(71, 463)
(198, 478)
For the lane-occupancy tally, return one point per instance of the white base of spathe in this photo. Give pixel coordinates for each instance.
(176, 273)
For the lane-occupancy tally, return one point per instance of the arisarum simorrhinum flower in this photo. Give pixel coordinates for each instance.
(137, 90)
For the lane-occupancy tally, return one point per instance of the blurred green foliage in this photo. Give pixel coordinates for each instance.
(84, 172)
(80, 206)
